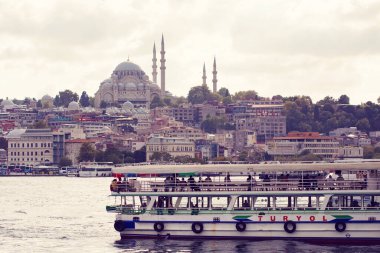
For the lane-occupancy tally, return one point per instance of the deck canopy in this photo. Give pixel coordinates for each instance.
(245, 169)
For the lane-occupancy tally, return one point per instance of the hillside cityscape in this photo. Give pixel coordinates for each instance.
(133, 119)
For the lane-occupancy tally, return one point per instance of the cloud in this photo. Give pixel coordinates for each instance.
(275, 47)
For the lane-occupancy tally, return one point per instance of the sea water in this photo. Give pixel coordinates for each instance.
(62, 214)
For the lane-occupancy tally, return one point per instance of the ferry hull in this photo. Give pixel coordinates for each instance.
(322, 229)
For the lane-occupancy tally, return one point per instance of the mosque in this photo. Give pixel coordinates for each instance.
(129, 84)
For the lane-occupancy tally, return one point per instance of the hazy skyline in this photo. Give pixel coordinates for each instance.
(315, 48)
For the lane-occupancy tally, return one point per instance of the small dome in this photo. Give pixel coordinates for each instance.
(47, 97)
(127, 106)
(7, 103)
(73, 106)
(154, 86)
(127, 66)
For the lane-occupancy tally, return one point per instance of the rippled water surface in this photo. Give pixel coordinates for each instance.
(59, 214)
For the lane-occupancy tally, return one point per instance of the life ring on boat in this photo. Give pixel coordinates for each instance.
(197, 227)
(241, 226)
(340, 226)
(290, 227)
(119, 225)
(158, 226)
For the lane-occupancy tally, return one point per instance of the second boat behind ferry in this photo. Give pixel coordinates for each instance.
(95, 169)
(312, 201)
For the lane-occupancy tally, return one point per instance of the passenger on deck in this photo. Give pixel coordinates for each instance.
(330, 182)
(208, 182)
(172, 183)
(199, 185)
(339, 181)
(119, 185)
(266, 181)
(191, 183)
(167, 184)
(113, 186)
(245, 204)
(249, 182)
(182, 185)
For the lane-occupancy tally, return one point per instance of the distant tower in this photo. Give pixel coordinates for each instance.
(154, 66)
(214, 80)
(162, 67)
(204, 77)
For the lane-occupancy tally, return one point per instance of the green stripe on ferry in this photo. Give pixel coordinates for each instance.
(241, 217)
(343, 217)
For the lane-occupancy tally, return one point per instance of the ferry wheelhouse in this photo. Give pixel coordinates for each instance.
(309, 201)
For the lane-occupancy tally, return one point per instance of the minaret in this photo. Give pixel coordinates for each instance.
(204, 77)
(154, 66)
(162, 67)
(214, 80)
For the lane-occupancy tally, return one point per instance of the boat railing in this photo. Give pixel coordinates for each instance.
(273, 185)
(136, 210)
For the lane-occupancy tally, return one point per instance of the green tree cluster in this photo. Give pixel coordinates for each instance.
(65, 97)
(201, 94)
(212, 124)
(329, 114)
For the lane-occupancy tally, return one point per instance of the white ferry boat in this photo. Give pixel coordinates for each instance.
(95, 169)
(249, 201)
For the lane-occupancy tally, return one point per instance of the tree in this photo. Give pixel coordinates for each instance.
(103, 104)
(64, 162)
(224, 92)
(3, 143)
(65, 97)
(363, 125)
(156, 102)
(199, 94)
(140, 155)
(368, 152)
(245, 95)
(344, 99)
(56, 101)
(40, 124)
(86, 152)
(84, 100)
(156, 156)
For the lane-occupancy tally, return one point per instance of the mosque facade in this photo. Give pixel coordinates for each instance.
(129, 83)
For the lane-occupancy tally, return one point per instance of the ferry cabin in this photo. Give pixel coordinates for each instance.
(256, 202)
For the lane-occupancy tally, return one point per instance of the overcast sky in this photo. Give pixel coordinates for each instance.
(316, 48)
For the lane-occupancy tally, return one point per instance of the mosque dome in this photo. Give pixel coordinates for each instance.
(7, 103)
(73, 106)
(47, 97)
(127, 66)
(127, 106)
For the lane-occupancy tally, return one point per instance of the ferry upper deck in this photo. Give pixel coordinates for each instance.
(272, 177)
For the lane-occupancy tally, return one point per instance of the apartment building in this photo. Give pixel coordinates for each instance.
(297, 142)
(30, 147)
(175, 146)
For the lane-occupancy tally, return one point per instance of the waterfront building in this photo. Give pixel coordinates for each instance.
(3, 156)
(297, 142)
(59, 139)
(175, 146)
(349, 152)
(30, 147)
